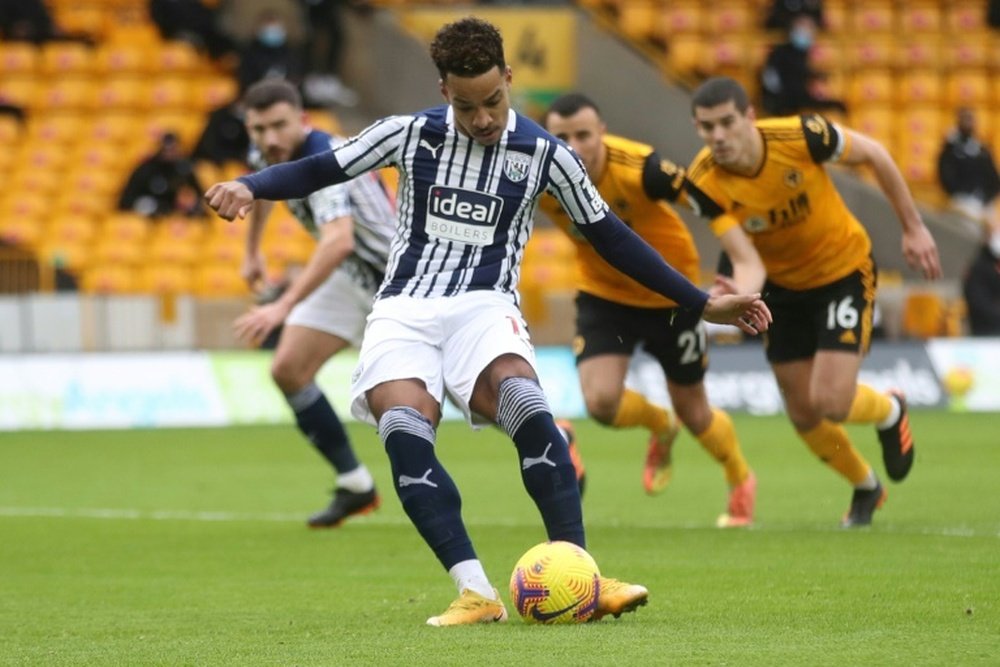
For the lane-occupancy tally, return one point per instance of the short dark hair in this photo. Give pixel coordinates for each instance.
(566, 105)
(719, 90)
(268, 92)
(468, 47)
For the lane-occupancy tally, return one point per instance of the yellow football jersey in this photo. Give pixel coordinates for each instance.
(790, 208)
(636, 184)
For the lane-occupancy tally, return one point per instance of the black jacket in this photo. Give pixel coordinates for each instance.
(982, 294)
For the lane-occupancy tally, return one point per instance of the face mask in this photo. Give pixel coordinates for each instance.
(271, 35)
(801, 38)
(995, 244)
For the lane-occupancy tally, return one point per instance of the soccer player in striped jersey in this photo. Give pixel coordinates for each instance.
(767, 180)
(446, 320)
(614, 313)
(325, 307)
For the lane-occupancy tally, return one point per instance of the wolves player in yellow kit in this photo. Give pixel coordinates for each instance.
(614, 312)
(766, 179)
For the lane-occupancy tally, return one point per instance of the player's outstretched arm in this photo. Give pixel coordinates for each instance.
(919, 248)
(746, 311)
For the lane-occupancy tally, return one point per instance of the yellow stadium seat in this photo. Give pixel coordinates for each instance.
(206, 172)
(211, 92)
(42, 155)
(186, 126)
(919, 86)
(968, 51)
(80, 202)
(876, 121)
(967, 87)
(21, 90)
(679, 18)
(165, 279)
(923, 314)
(176, 57)
(35, 181)
(916, 16)
(233, 169)
(71, 229)
(549, 245)
(223, 250)
(870, 86)
(109, 278)
(835, 18)
(65, 94)
(141, 33)
(119, 251)
(922, 51)
(728, 17)
(19, 58)
(58, 127)
(116, 58)
(85, 179)
(219, 280)
(826, 55)
(67, 58)
(120, 93)
(18, 230)
(873, 16)
(685, 54)
(170, 93)
(71, 255)
(637, 19)
(124, 226)
(921, 121)
(965, 16)
(11, 132)
(870, 51)
(87, 19)
(114, 127)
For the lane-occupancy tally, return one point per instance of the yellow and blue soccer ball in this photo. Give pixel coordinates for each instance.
(555, 582)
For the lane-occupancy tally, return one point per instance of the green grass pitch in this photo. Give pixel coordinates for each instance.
(188, 547)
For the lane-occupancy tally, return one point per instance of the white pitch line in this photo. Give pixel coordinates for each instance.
(395, 520)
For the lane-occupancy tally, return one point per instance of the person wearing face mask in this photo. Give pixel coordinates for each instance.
(981, 287)
(788, 81)
(966, 169)
(270, 54)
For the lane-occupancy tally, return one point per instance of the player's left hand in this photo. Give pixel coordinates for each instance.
(746, 311)
(229, 199)
(254, 327)
(921, 252)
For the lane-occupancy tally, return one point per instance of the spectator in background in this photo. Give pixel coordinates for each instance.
(191, 21)
(163, 184)
(788, 82)
(982, 287)
(325, 39)
(225, 136)
(782, 13)
(966, 169)
(269, 53)
(30, 21)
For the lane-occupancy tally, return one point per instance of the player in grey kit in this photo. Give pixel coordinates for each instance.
(446, 320)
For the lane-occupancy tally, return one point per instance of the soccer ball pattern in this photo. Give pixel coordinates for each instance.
(555, 582)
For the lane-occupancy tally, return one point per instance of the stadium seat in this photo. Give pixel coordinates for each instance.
(11, 132)
(77, 17)
(728, 17)
(685, 55)
(67, 58)
(19, 230)
(965, 16)
(171, 93)
(967, 87)
(82, 178)
(176, 57)
(213, 91)
(58, 127)
(870, 86)
(877, 121)
(21, 90)
(71, 229)
(80, 202)
(165, 278)
(873, 16)
(119, 251)
(683, 17)
(42, 155)
(870, 51)
(919, 86)
(923, 314)
(971, 50)
(219, 280)
(637, 20)
(19, 58)
(109, 278)
(65, 94)
(826, 55)
(836, 18)
(116, 58)
(917, 16)
(922, 51)
(65, 254)
(43, 182)
(123, 226)
(223, 250)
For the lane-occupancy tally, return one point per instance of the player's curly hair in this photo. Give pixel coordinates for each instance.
(468, 47)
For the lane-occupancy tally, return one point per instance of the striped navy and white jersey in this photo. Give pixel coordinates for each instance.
(365, 199)
(465, 210)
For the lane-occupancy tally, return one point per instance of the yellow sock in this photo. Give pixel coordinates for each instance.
(635, 410)
(830, 443)
(719, 440)
(869, 406)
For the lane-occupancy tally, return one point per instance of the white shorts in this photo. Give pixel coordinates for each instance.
(445, 342)
(339, 306)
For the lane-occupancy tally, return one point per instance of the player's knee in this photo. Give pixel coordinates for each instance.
(602, 405)
(288, 376)
(830, 405)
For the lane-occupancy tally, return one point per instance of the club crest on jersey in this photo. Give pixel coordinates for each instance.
(755, 224)
(515, 166)
(466, 216)
(793, 178)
